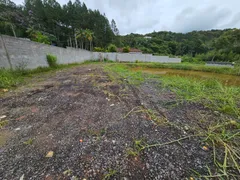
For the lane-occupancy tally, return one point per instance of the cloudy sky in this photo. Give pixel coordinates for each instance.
(144, 16)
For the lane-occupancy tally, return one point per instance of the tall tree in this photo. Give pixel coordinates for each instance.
(114, 27)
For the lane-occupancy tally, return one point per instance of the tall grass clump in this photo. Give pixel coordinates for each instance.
(210, 92)
(9, 78)
(52, 61)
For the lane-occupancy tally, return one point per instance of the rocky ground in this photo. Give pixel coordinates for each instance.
(93, 127)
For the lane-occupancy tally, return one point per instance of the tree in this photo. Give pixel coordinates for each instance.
(89, 36)
(80, 34)
(10, 15)
(114, 27)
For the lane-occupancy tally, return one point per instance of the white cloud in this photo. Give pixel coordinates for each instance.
(144, 16)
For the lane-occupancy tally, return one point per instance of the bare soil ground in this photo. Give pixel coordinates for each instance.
(91, 123)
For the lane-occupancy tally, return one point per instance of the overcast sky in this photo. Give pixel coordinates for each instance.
(145, 16)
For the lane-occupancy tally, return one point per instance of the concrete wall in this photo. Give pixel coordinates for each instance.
(32, 54)
(15, 52)
(220, 65)
(132, 57)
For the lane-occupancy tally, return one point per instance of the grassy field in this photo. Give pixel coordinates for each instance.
(189, 66)
(11, 78)
(225, 134)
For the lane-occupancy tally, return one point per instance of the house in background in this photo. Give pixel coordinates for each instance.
(132, 51)
(147, 37)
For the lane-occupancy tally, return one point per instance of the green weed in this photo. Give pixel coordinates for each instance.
(28, 142)
(52, 61)
(3, 123)
(110, 174)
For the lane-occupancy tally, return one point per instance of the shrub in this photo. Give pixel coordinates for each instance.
(137, 61)
(112, 48)
(98, 49)
(52, 61)
(126, 49)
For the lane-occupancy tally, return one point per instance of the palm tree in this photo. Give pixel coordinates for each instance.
(80, 34)
(89, 35)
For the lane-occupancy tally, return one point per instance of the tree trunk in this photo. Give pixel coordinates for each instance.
(13, 30)
(70, 42)
(213, 58)
(76, 40)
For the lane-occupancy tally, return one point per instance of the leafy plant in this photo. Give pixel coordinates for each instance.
(126, 49)
(112, 48)
(52, 61)
(99, 49)
(28, 142)
(3, 123)
(38, 36)
(110, 174)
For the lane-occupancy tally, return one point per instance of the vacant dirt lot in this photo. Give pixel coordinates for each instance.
(96, 126)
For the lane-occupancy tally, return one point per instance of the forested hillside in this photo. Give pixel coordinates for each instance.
(216, 45)
(75, 25)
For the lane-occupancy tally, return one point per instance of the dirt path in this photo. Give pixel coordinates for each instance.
(94, 125)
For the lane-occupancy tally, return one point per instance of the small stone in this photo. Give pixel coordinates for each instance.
(111, 105)
(205, 148)
(22, 177)
(2, 117)
(67, 81)
(40, 99)
(113, 141)
(147, 165)
(49, 154)
(17, 129)
(186, 128)
(5, 90)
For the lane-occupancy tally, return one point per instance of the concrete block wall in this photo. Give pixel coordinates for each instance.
(131, 57)
(16, 52)
(33, 54)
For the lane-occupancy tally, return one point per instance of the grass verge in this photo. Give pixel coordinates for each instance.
(12, 78)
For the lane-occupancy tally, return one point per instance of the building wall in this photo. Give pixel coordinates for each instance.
(17, 52)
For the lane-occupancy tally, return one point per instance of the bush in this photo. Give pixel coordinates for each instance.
(112, 48)
(99, 49)
(126, 49)
(52, 61)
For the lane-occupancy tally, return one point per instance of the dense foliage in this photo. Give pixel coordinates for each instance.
(216, 45)
(46, 21)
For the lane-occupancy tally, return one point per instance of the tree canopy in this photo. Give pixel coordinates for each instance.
(59, 23)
